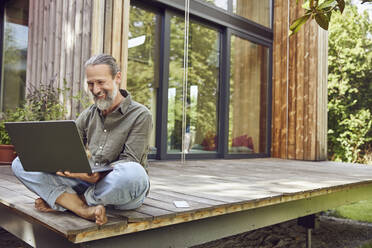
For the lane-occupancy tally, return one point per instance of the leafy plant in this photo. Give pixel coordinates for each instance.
(321, 11)
(349, 87)
(42, 103)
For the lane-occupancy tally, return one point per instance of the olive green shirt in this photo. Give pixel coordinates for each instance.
(121, 136)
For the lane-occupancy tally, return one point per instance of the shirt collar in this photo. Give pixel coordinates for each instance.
(126, 102)
(123, 106)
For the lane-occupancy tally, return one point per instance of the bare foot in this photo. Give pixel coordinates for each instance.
(100, 215)
(42, 206)
(97, 213)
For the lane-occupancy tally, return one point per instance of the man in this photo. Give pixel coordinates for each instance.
(116, 131)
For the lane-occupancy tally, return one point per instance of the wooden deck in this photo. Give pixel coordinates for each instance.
(225, 197)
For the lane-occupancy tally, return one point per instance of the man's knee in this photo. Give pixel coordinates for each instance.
(17, 167)
(131, 176)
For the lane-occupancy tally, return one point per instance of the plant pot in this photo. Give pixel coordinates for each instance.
(7, 154)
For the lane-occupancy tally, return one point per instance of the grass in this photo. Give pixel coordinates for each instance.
(367, 245)
(360, 211)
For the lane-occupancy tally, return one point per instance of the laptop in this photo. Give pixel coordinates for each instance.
(51, 146)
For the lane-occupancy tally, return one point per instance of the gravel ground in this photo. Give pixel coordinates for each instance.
(331, 233)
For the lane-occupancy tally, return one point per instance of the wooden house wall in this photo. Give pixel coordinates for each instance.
(110, 28)
(59, 43)
(299, 122)
(64, 33)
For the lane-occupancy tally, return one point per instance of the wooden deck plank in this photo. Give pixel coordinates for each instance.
(154, 211)
(212, 188)
(167, 203)
(131, 215)
(187, 197)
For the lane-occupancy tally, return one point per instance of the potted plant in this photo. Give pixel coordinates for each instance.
(7, 152)
(41, 104)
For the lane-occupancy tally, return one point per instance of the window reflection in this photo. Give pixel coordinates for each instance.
(248, 97)
(14, 62)
(202, 97)
(223, 4)
(143, 53)
(255, 10)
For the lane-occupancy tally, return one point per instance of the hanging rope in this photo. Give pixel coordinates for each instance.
(184, 81)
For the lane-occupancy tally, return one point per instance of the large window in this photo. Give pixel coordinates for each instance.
(229, 76)
(248, 97)
(202, 88)
(255, 10)
(13, 52)
(143, 61)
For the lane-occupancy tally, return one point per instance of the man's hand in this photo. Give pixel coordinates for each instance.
(90, 178)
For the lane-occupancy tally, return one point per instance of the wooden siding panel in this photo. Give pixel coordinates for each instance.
(313, 84)
(62, 70)
(33, 44)
(86, 41)
(107, 46)
(284, 82)
(124, 44)
(58, 40)
(75, 107)
(30, 38)
(49, 63)
(98, 16)
(117, 29)
(322, 124)
(45, 35)
(39, 42)
(300, 73)
(276, 76)
(299, 88)
(70, 35)
(292, 87)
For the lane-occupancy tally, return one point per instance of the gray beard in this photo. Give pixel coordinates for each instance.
(105, 104)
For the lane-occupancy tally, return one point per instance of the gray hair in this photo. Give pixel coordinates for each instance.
(104, 59)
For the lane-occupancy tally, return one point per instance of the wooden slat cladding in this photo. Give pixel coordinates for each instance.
(110, 31)
(124, 51)
(299, 129)
(60, 41)
(63, 34)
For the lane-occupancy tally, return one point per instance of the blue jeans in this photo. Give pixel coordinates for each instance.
(124, 188)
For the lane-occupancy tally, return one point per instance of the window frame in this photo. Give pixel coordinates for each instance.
(268, 95)
(2, 33)
(2, 16)
(227, 24)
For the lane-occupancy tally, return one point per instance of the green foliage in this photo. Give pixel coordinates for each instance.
(349, 86)
(43, 103)
(321, 11)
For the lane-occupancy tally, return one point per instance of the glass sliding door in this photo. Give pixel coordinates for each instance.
(228, 95)
(249, 70)
(202, 92)
(14, 53)
(143, 61)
